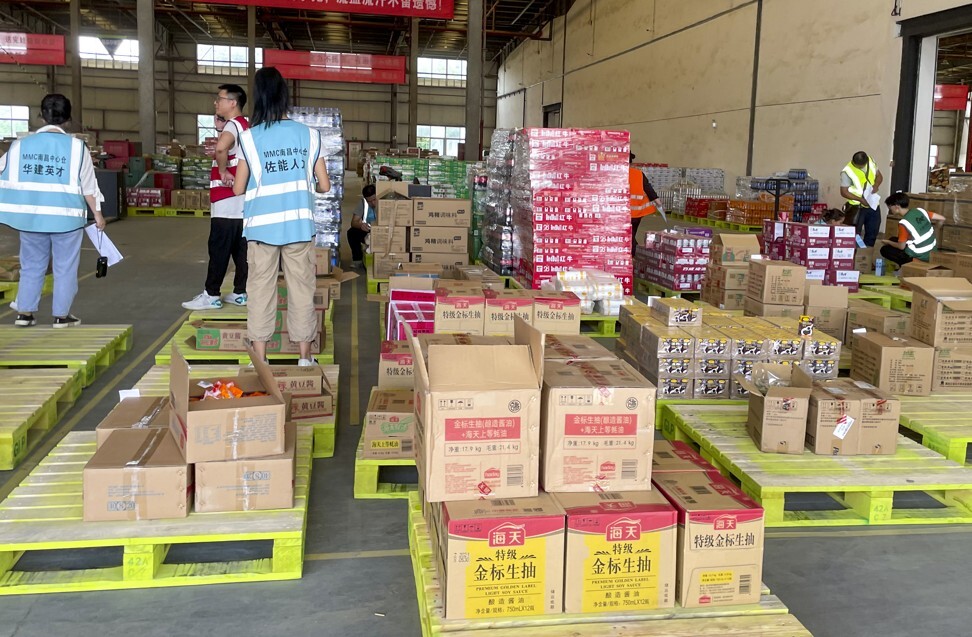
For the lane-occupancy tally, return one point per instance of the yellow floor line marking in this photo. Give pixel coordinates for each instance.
(64, 427)
(355, 555)
(355, 395)
(871, 532)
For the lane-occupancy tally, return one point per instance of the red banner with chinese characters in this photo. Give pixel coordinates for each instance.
(437, 9)
(337, 67)
(32, 48)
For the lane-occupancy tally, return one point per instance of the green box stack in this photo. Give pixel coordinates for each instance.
(196, 173)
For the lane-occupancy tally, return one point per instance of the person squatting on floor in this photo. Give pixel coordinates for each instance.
(361, 220)
(226, 209)
(47, 185)
(277, 170)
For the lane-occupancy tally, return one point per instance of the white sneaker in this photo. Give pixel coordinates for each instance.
(232, 298)
(203, 302)
(13, 306)
(306, 362)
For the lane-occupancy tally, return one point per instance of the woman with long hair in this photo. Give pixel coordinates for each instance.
(279, 171)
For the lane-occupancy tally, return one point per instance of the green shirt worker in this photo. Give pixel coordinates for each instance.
(916, 232)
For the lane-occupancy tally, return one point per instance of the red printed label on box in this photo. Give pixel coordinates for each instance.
(482, 429)
(601, 425)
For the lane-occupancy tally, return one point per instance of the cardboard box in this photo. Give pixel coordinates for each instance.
(597, 427)
(833, 420)
(565, 347)
(843, 236)
(528, 534)
(389, 426)
(714, 514)
(864, 260)
(428, 340)
(941, 310)
(459, 308)
(502, 306)
(812, 258)
(728, 277)
(724, 299)
(620, 551)
(232, 336)
(880, 415)
(479, 413)
(842, 258)
(894, 364)
(441, 212)
(733, 248)
(808, 235)
(395, 366)
(145, 412)
(674, 456)
(675, 312)
(874, 318)
(753, 307)
(777, 417)
(253, 484)
(322, 261)
(334, 281)
(385, 265)
(389, 239)
(322, 294)
(953, 368)
(776, 282)
(394, 212)
(556, 312)
(226, 429)
(920, 269)
(448, 262)
(305, 407)
(299, 381)
(439, 240)
(137, 474)
(827, 304)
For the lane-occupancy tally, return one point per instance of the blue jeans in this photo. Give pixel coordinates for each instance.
(36, 250)
(868, 224)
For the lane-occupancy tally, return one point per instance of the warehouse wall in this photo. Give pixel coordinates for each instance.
(679, 76)
(111, 100)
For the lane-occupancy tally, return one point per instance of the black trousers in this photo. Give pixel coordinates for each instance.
(635, 222)
(895, 255)
(226, 241)
(356, 238)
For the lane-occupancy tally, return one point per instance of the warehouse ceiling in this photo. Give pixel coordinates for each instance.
(506, 24)
(955, 59)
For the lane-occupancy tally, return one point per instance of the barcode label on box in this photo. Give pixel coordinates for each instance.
(503, 503)
(745, 584)
(514, 475)
(407, 445)
(700, 490)
(609, 496)
(629, 469)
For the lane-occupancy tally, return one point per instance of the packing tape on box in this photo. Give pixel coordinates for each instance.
(234, 436)
(243, 469)
(133, 473)
(146, 420)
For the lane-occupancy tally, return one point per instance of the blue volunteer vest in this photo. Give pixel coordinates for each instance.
(40, 186)
(279, 202)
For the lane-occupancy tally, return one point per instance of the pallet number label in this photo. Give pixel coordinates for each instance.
(622, 575)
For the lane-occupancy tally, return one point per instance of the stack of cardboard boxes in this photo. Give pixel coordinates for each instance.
(156, 456)
(827, 252)
(775, 288)
(727, 276)
(418, 230)
(672, 260)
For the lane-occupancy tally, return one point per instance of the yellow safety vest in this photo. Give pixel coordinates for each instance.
(859, 178)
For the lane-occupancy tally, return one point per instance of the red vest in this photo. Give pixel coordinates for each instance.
(217, 191)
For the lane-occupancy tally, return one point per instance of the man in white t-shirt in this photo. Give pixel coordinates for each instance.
(226, 209)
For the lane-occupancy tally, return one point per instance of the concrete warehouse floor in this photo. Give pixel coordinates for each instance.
(890, 581)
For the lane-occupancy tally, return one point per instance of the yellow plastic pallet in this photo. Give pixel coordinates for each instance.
(90, 348)
(654, 289)
(32, 401)
(236, 313)
(197, 357)
(44, 514)
(943, 425)
(155, 382)
(600, 326)
(900, 299)
(144, 211)
(8, 289)
(366, 477)
(661, 403)
(873, 279)
(184, 212)
(768, 618)
(373, 284)
(878, 298)
(864, 486)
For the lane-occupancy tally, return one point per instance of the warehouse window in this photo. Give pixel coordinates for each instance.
(13, 120)
(205, 127)
(218, 59)
(445, 139)
(441, 72)
(108, 53)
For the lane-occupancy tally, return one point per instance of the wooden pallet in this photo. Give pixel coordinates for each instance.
(768, 618)
(155, 382)
(900, 299)
(90, 348)
(943, 425)
(32, 401)
(197, 357)
(367, 475)
(44, 514)
(878, 298)
(864, 486)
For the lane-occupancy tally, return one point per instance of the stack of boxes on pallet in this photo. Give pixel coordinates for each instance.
(827, 252)
(161, 457)
(674, 260)
(422, 230)
(727, 276)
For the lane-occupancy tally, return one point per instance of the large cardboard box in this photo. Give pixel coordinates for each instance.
(439, 240)
(137, 474)
(428, 340)
(556, 312)
(674, 456)
(479, 412)
(880, 415)
(441, 212)
(385, 265)
(728, 277)
(941, 310)
(502, 306)
(720, 539)
(754, 307)
(252, 484)
(145, 412)
(566, 347)
(231, 336)
(395, 366)
(447, 262)
(333, 283)
(389, 427)
(299, 381)
(827, 304)
(484, 542)
(460, 307)
(597, 427)
(389, 239)
(833, 421)
(227, 429)
(777, 416)
(920, 269)
(394, 208)
(953, 368)
(894, 364)
(776, 282)
(675, 312)
(733, 248)
(620, 551)
(874, 318)
(306, 407)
